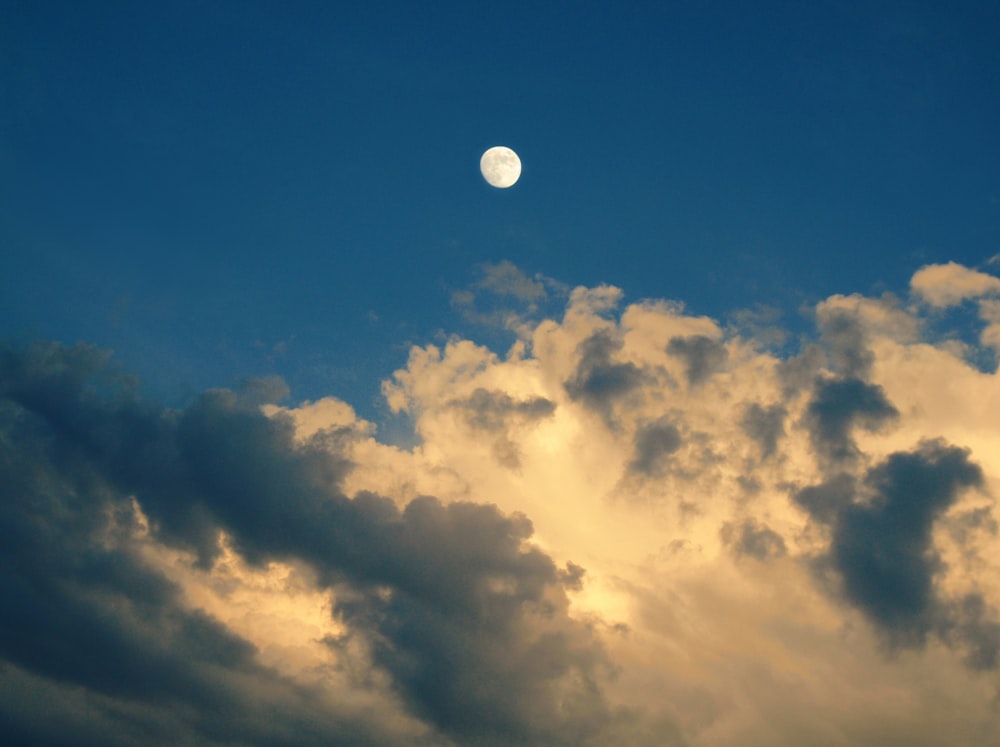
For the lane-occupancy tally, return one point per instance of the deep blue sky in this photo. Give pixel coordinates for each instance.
(218, 190)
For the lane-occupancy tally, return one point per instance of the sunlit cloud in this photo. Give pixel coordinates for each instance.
(951, 283)
(635, 525)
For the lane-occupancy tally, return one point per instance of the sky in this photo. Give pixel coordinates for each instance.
(689, 438)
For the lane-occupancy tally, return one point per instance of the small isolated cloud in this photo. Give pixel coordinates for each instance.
(506, 279)
(950, 284)
(504, 296)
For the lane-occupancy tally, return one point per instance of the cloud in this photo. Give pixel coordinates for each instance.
(950, 284)
(498, 413)
(989, 312)
(765, 425)
(628, 528)
(655, 442)
(881, 535)
(702, 356)
(723, 466)
(505, 278)
(826, 500)
(837, 407)
(845, 338)
(504, 296)
(492, 410)
(599, 380)
(753, 540)
(470, 624)
(98, 646)
(974, 625)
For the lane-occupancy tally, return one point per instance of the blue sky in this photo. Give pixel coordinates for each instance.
(194, 184)
(310, 436)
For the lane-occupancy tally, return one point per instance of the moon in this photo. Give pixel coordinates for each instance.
(500, 166)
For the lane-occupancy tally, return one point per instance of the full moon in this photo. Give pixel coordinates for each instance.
(500, 166)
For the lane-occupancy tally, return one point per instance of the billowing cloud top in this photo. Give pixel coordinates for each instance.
(636, 526)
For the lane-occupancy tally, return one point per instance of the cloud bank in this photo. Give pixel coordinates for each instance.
(635, 526)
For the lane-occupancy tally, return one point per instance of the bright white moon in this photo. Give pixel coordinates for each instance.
(500, 166)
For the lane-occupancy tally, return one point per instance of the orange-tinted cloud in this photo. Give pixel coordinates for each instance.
(636, 526)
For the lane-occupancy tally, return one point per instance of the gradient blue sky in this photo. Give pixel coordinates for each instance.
(691, 438)
(216, 190)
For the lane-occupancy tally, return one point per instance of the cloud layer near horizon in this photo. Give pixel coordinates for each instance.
(636, 526)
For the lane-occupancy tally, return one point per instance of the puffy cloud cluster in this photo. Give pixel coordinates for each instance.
(635, 526)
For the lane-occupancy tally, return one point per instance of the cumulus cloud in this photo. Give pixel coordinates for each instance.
(632, 528)
(950, 284)
(468, 622)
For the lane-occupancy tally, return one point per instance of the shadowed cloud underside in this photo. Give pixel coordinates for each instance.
(604, 536)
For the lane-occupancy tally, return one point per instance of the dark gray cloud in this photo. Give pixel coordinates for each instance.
(702, 356)
(837, 407)
(469, 622)
(600, 382)
(881, 541)
(765, 425)
(654, 443)
(752, 539)
(883, 547)
(96, 647)
(474, 630)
